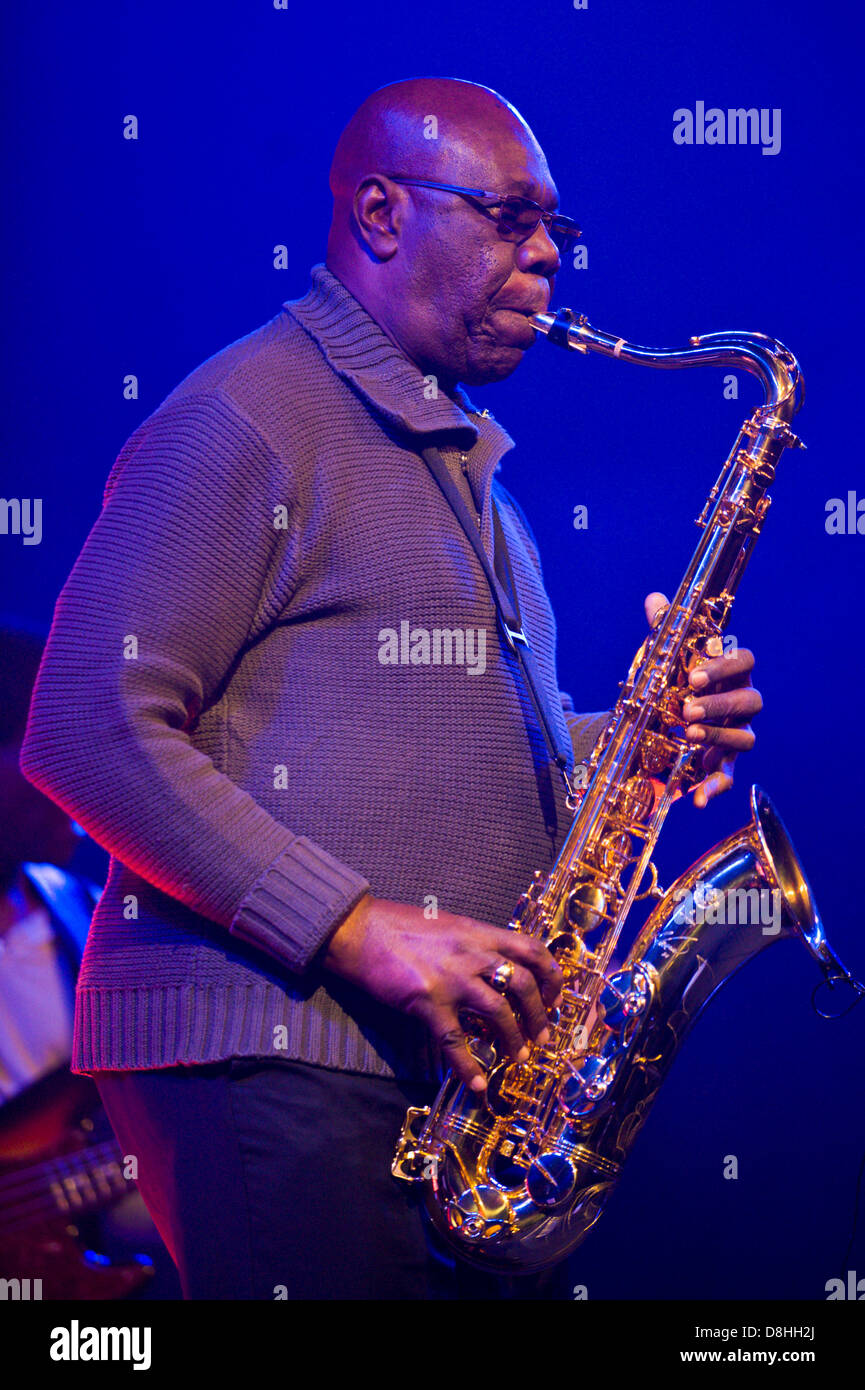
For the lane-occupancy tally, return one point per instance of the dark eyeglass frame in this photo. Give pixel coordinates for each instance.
(561, 230)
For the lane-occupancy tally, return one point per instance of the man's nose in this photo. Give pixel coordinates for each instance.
(538, 254)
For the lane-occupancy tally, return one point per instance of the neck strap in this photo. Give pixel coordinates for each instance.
(501, 583)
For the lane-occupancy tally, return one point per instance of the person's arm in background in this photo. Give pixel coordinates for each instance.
(172, 582)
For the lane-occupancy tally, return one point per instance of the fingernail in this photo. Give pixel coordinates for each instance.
(692, 712)
(478, 1083)
(544, 1037)
(696, 733)
(699, 679)
(523, 1054)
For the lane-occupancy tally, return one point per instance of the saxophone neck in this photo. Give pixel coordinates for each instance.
(771, 362)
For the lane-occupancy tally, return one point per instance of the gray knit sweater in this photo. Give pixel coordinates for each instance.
(238, 700)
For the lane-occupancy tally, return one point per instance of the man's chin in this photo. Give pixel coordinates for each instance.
(495, 366)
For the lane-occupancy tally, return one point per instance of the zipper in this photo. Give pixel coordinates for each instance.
(480, 415)
(464, 464)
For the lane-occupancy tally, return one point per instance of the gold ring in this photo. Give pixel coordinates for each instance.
(501, 977)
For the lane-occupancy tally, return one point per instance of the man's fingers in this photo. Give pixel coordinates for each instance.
(482, 999)
(525, 997)
(448, 1033)
(718, 763)
(653, 603)
(713, 786)
(735, 706)
(717, 759)
(740, 740)
(533, 955)
(722, 668)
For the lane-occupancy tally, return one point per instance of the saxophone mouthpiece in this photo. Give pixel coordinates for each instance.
(561, 327)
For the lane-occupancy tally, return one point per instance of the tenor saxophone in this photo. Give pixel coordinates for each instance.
(514, 1178)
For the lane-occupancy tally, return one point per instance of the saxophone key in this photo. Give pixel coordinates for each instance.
(636, 799)
(656, 752)
(586, 906)
(567, 950)
(551, 1180)
(581, 1091)
(508, 1168)
(616, 851)
(625, 996)
(480, 1211)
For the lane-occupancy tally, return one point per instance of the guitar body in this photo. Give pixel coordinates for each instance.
(53, 1176)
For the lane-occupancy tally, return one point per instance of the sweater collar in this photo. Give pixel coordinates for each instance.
(360, 351)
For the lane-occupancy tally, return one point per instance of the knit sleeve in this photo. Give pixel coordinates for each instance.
(174, 578)
(585, 729)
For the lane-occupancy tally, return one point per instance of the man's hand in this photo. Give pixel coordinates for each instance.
(718, 711)
(433, 968)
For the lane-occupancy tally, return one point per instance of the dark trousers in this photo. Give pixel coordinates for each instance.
(271, 1179)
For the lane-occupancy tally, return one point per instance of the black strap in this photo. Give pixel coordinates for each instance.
(501, 582)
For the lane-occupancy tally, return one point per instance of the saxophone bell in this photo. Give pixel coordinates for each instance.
(798, 896)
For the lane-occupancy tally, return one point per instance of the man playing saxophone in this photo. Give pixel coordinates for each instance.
(315, 851)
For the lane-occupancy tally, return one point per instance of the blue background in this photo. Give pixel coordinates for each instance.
(146, 257)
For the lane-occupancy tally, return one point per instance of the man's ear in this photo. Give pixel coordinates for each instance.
(377, 209)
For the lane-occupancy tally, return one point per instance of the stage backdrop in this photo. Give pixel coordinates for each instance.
(158, 156)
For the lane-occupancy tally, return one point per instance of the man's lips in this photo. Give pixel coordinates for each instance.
(539, 307)
(518, 323)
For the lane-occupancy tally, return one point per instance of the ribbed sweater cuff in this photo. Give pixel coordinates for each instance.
(297, 904)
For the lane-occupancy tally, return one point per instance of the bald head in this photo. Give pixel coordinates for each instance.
(432, 127)
(431, 266)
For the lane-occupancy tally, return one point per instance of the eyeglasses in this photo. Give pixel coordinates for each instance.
(517, 217)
